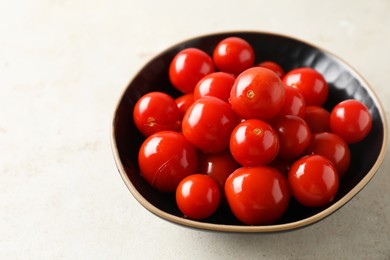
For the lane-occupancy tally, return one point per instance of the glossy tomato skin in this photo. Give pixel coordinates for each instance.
(294, 136)
(217, 84)
(154, 112)
(351, 120)
(294, 103)
(188, 67)
(197, 196)
(218, 166)
(272, 66)
(317, 118)
(208, 124)
(313, 181)
(233, 55)
(257, 195)
(183, 102)
(310, 83)
(165, 158)
(334, 148)
(254, 142)
(258, 93)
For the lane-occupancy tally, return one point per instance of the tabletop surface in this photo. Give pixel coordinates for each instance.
(63, 67)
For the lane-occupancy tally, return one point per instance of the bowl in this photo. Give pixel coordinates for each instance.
(344, 83)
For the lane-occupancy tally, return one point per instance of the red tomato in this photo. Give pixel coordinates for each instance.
(217, 84)
(257, 195)
(233, 55)
(334, 148)
(254, 142)
(351, 120)
(313, 181)
(294, 136)
(197, 196)
(208, 124)
(184, 102)
(165, 158)
(310, 83)
(218, 166)
(188, 67)
(257, 93)
(294, 103)
(272, 66)
(317, 118)
(156, 111)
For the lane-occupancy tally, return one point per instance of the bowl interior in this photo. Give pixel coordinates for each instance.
(290, 53)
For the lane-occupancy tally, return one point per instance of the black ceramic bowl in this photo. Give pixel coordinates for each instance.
(290, 53)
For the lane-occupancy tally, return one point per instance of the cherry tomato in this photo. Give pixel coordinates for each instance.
(254, 142)
(310, 83)
(188, 67)
(218, 166)
(257, 93)
(208, 124)
(197, 196)
(184, 102)
(313, 181)
(334, 148)
(317, 118)
(257, 195)
(154, 112)
(217, 84)
(294, 136)
(351, 120)
(272, 66)
(165, 158)
(233, 55)
(294, 103)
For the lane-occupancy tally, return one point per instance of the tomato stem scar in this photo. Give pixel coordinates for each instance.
(250, 94)
(151, 121)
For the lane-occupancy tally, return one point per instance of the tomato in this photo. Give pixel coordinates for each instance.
(272, 66)
(208, 124)
(313, 181)
(184, 102)
(351, 120)
(294, 136)
(334, 148)
(233, 55)
(165, 158)
(197, 196)
(257, 93)
(317, 118)
(257, 195)
(254, 142)
(217, 84)
(310, 83)
(154, 112)
(294, 103)
(218, 166)
(188, 67)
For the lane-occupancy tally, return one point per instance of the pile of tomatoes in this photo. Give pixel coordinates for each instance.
(246, 135)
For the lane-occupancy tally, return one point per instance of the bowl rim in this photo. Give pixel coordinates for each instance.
(261, 228)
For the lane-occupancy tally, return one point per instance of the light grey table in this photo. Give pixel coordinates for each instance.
(64, 65)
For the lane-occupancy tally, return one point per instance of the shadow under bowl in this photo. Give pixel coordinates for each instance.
(344, 83)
